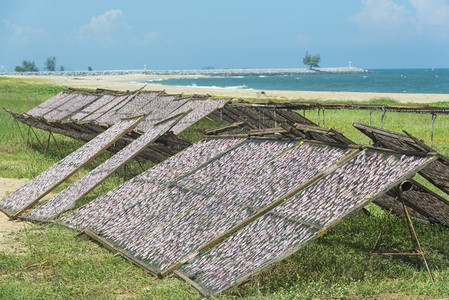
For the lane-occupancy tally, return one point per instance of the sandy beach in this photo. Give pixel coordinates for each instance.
(127, 82)
(8, 227)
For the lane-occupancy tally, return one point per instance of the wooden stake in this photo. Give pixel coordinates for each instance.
(417, 249)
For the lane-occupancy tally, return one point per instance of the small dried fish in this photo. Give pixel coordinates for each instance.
(142, 186)
(286, 227)
(53, 176)
(51, 104)
(66, 199)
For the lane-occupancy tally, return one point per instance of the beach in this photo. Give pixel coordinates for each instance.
(130, 82)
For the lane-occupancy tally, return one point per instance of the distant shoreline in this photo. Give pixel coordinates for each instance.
(211, 72)
(132, 82)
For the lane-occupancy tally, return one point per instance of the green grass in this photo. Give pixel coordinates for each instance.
(49, 262)
(418, 125)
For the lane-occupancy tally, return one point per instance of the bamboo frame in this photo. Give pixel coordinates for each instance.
(157, 271)
(217, 194)
(68, 92)
(180, 177)
(87, 130)
(226, 127)
(369, 130)
(36, 200)
(411, 142)
(318, 234)
(125, 254)
(260, 212)
(417, 251)
(96, 237)
(420, 109)
(84, 193)
(71, 113)
(193, 123)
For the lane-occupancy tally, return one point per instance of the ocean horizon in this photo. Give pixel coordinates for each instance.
(426, 81)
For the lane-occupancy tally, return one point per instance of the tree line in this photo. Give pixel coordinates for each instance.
(312, 61)
(50, 65)
(30, 66)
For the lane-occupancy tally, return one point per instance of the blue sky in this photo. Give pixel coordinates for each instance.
(224, 34)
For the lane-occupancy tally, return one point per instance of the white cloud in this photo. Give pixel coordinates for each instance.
(384, 15)
(386, 19)
(107, 28)
(21, 34)
(433, 14)
(151, 37)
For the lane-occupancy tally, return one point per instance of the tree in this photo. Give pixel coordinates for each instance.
(27, 66)
(89, 68)
(61, 68)
(311, 61)
(50, 64)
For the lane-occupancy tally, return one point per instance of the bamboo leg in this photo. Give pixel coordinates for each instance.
(16, 127)
(140, 164)
(413, 237)
(324, 119)
(38, 139)
(14, 130)
(370, 113)
(56, 143)
(415, 241)
(48, 143)
(28, 136)
(382, 115)
(275, 119)
(381, 231)
(431, 130)
(318, 117)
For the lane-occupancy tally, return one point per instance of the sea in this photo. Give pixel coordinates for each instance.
(428, 81)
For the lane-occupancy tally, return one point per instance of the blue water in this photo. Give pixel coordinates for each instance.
(381, 81)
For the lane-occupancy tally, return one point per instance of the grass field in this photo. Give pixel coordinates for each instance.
(49, 262)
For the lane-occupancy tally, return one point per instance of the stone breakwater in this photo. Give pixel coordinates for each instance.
(214, 72)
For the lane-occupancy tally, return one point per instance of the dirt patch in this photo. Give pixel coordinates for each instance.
(7, 227)
(400, 296)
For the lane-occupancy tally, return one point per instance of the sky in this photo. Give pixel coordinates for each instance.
(109, 35)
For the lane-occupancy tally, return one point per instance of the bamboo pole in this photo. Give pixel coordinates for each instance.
(238, 144)
(259, 213)
(283, 256)
(434, 117)
(36, 200)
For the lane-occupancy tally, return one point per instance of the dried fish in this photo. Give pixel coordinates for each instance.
(96, 105)
(130, 228)
(160, 109)
(226, 209)
(53, 176)
(66, 199)
(295, 222)
(51, 104)
(143, 185)
(70, 107)
(201, 108)
(100, 115)
(134, 106)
